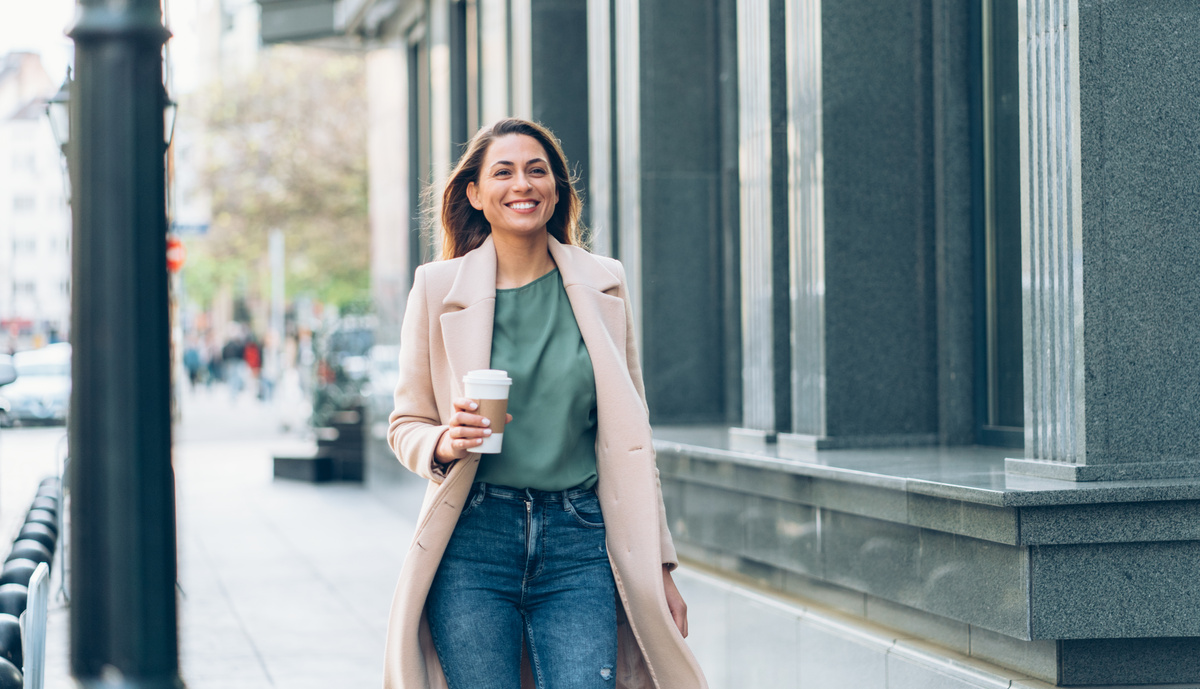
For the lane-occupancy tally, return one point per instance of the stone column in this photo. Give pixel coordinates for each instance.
(1110, 204)
(766, 401)
(877, 140)
(560, 79)
(668, 194)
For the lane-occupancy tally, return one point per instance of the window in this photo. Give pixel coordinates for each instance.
(24, 162)
(23, 203)
(1000, 402)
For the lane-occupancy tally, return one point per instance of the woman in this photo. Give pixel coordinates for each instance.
(548, 565)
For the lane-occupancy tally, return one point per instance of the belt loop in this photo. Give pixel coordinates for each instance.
(529, 495)
(566, 501)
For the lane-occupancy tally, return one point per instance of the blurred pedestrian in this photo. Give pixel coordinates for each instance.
(269, 373)
(529, 546)
(214, 364)
(232, 364)
(192, 363)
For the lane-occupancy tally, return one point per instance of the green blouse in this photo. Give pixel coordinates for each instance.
(551, 442)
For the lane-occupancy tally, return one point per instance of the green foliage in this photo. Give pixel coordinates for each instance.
(286, 148)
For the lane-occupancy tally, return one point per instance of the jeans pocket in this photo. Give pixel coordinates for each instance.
(474, 499)
(586, 510)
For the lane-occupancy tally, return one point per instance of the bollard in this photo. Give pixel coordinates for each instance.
(17, 571)
(13, 599)
(29, 549)
(10, 676)
(45, 502)
(46, 517)
(40, 533)
(10, 639)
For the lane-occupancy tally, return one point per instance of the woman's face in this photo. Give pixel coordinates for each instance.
(516, 189)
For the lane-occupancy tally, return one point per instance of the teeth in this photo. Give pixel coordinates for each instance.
(524, 205)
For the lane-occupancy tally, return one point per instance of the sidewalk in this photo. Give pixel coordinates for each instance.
(283, 584)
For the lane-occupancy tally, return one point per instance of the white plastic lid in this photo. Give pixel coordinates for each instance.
(488, 375)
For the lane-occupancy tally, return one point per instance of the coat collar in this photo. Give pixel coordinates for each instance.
(468, 320)
(475, 280)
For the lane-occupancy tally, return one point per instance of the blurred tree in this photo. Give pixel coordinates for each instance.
(286, 148)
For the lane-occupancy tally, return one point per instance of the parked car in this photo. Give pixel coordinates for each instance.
(42, 390)
(8, 373)
(342, 366)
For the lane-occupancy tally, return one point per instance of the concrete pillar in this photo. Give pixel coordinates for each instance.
(1109, 164)
(388, 160)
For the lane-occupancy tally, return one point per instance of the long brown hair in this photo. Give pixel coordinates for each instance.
(464, 228)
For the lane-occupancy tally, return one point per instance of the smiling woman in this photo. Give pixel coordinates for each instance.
(557, 543)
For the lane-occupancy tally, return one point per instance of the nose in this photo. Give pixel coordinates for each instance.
(520, 181)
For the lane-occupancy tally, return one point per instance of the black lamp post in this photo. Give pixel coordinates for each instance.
(123, 547)
(58, 112)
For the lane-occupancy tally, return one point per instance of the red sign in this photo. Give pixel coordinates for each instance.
(176, 254)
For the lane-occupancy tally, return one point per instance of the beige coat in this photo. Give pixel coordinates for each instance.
(447, 332)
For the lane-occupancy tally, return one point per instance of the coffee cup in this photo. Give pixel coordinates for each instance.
(489, 389)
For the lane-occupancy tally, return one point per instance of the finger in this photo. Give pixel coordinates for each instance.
(465, 404)
(470, 432)
(681, 622)
(509, 419)
(462, 418)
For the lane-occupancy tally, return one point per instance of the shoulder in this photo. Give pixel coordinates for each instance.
(582, 256)
(436, 277)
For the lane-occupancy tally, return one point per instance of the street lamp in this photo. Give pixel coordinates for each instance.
(170, 109)
(58, 110)
(123, 623)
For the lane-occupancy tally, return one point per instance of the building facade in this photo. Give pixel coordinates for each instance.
(35, 221)
(917, 295)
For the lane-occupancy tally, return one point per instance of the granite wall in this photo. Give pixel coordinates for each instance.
(684, 310)
(1110, 167)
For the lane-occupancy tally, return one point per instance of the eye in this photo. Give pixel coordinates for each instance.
(537, 171)
(500, 173)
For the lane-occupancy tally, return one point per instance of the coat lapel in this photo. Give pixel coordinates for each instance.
(592, 291)
(469, 316)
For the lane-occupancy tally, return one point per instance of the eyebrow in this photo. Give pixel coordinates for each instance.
(509, 162)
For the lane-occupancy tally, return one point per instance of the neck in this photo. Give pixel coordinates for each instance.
(521, 260)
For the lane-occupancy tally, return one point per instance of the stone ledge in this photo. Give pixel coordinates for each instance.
(1010, 569)
(1159, 517)
(969, 473)
(1121, 471)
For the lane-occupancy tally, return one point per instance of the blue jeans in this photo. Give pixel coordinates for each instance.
(533, 566)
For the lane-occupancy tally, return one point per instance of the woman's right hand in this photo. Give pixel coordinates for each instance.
(467, 430)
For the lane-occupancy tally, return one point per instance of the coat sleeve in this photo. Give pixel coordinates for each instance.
(666, 545)
(415, 427)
